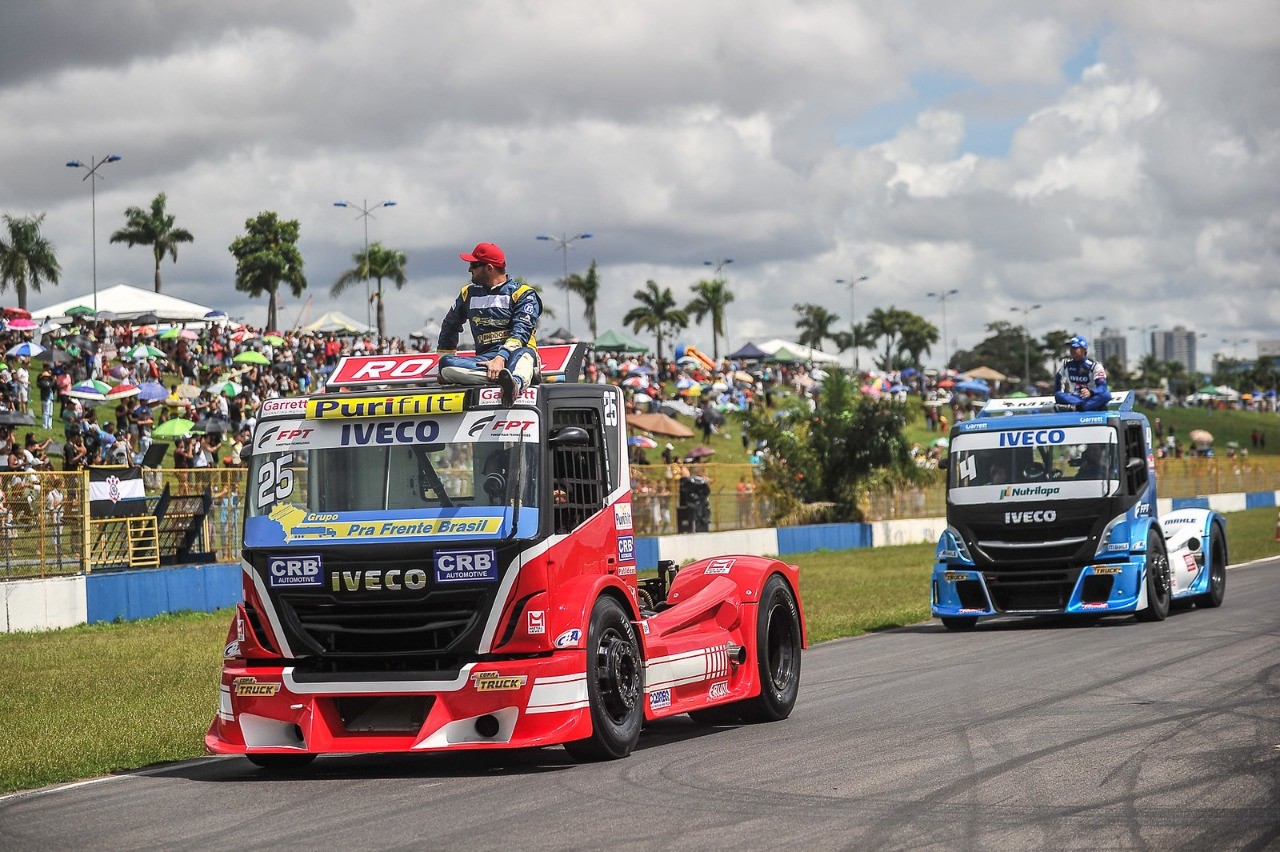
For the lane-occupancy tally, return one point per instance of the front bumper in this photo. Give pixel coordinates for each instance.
(1094, 589)
(508, 704)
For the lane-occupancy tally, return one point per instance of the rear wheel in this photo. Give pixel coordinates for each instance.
(615, 685)
(953, 622)
(1217, 555)
(281, 763)
(1157, 579)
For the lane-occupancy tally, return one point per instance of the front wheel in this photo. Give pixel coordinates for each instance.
(1217, 572)
(615, 685)
(1158, 584)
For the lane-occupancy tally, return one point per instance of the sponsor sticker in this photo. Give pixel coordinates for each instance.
(1190, 561)
(494, 682)
(291, 406)
(467, 566)
(622, 516)
(954, 576)
(1105, 570)
(659, 698)
(1093, 606)
(387, 405)
(1028, 491)
(719, 689)
(537, 622)
(232, 649)
(493, 396)
(569, 638)
(250, 687)
(376, 579)
(719, 566)
(626, 548)
(293, 571)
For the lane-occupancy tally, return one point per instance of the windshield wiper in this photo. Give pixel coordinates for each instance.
(428, 473)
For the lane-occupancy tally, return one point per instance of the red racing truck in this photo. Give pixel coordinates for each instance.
(427, 570)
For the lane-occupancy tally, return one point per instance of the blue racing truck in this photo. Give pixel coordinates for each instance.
(1052, 512)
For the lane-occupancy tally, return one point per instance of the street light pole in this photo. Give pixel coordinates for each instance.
(93, 177)
(852, 284)
(1146, 329)
(1026, 344)
(365, 211)
(942, 297)
(720, 264)
(562, 243)
(1088, 321)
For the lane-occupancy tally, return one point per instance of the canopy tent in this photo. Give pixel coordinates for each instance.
(749, 352)
(336, 322)
(807, 353)
(783, 355)
(617, 341)
(560, 335)
(127, 303)
(986, 374)
(659, 424)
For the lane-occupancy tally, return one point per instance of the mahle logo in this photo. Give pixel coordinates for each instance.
(1028, 491)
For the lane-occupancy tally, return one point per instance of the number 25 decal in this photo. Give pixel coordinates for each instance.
(275, 481)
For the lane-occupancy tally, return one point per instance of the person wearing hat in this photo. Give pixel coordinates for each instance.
(503, 315)
(1081, 382)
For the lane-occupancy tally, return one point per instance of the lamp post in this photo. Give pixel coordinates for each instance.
(720, 264)
(942, 297)
(365, 211)
(92, 176)
(1146, 329)
(562, 243)
(1235, 346)
(1088, 321)
(1026, 344)
(852, 284)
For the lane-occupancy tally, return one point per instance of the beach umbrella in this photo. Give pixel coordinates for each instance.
(635, 382)
(942, 442)
(26, 349)
(212, 424)
(16, 418)
(643, 442)
(188, 334)
(1200, 436)
(642, 399)
(226, 388)
(23, 325)
(50, 326)
(152, 392)
(90, 386)
(242, 336)
(274, 339)
(143, 351)
(54, 356)
(216, 315)
(146, 331)
(251, 357)
(122, 391)
(80, 311)
(174, 428)
(118, 371)
(188, 392)
(170, 333)
(700, 452)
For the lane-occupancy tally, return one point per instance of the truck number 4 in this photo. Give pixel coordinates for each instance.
(275, 481)
(969, 468)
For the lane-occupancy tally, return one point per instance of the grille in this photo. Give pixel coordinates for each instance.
(376, 626)
(1056, 544)
(1031, 591)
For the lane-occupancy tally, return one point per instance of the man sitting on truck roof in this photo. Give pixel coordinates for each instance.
(1081, 382)
(503, 315)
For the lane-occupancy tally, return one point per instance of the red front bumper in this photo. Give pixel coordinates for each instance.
(511, 704)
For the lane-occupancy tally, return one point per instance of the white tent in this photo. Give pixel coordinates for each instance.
(127, 302)
(806, 352)
(336, 322)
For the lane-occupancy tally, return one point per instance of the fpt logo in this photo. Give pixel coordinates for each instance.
(293, 571)
(466, 566)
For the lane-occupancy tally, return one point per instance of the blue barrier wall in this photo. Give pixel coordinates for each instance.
(130, 595)
(1259, 499)
(823, 537)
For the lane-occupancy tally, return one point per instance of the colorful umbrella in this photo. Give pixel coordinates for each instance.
(170, 333)
(174, 428)
(188, 391)
(91, 386)
(700, 452)
(145, 331)
(23, 324)
(118, 372)
(79, 311)
(143, 351)
(27, 349)
(1200, 436)
(152, 392)
(642, 442)
(216, 315)
(122, 391)
(188, 334)
(274, 339)
(224, 388)
(251, 357)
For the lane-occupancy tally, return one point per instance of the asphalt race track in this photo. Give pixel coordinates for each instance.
(1014, 736)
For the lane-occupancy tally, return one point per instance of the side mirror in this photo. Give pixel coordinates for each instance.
(1135, 463)
(570, 436)
(246, 453)
(944, 462)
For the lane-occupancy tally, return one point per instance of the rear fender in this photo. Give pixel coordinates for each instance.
(747, 573)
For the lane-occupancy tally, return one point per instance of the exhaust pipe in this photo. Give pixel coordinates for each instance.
(737, 654)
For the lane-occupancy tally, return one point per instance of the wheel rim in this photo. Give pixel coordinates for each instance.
(780, 646)
(1218, 573)
(1160, 575)
(617, 675)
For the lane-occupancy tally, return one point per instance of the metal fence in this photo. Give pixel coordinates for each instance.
(45, 522)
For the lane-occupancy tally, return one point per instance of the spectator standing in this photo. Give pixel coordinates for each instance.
(46, 383)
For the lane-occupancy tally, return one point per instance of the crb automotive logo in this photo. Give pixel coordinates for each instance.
(284, 435)
(384, 434)
(626, 548)
(501, 426)
(374, 580)
(250, 687)
(302, 570)
(1031, 438)
(659, 698)
(1028, 491)
(466, 566)
(494, 682)
(1045, 517)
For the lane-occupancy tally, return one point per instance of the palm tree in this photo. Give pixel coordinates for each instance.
(153, 228)
(587, 288)
(889, 325)
(27, 259)
(266, 256)
(711, 297)
(379, 263)
(657, 312)
(815, 325)
(918, 336)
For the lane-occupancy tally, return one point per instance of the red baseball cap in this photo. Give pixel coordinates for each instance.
(486, 253)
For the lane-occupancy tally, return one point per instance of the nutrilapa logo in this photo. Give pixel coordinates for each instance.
(1028, 491)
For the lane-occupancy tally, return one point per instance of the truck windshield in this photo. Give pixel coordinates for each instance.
(396, 477)
(1033, 464)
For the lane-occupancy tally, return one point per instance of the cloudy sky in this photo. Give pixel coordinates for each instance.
(1100, 158)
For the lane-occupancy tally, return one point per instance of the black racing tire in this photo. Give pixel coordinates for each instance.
(778, 644)
(281, 764)
(1158, 581)
(615, 685)
(958, 622)
(1217, 556)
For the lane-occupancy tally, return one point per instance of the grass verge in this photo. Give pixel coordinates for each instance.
(87, 701)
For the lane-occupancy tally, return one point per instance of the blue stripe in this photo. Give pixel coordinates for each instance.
(1190, 503)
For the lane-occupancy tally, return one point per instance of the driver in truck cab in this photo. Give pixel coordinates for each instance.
(503, 314)
(1081, 382)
